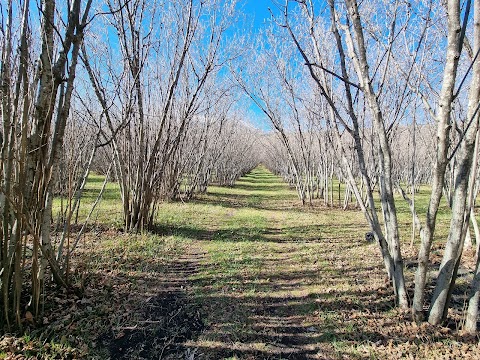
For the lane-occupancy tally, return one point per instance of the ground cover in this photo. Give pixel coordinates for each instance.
(239, 273)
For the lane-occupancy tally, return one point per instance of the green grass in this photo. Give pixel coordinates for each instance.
(262, 250)
(269, 278)
(257, 190)
(108, 211)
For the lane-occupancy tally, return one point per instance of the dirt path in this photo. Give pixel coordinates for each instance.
(260, 287)
(247, 273)
(248, 282)
(166, 319)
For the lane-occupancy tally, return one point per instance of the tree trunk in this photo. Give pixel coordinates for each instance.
(472, 311)
(443, 131)
(462, 199)
(386, 186)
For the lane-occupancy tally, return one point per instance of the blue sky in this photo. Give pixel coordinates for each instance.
(256, 11)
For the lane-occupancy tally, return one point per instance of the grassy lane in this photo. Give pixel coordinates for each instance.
(280, 281)
(277, 279)
(238, 273)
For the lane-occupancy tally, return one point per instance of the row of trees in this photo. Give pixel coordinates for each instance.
(374, 94)
(160, 96)
(137, 90)
(147, 92)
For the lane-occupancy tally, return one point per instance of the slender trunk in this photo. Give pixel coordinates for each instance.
(473, 304)
(476, 231)
(386, 186)
(462, 199)
(5, 163)
(441, 161)
(412, 179)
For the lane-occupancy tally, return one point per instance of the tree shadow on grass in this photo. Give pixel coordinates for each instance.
(244, 199)
(263, 180)
(268, 200)
(278, 313)
(262, 187)
(195, 233)
(163, 317)
(108, 194)
(194, 318)
(239, 201)
(184, 313)
(287, 326)
(329, 235)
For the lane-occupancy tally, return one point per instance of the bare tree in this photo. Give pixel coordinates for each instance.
(34, 124)
(443, 132)
(352, 37)
(462, 198)
(147, 147)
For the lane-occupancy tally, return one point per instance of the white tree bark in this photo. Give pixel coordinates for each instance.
(441, 161)
(462, 194)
